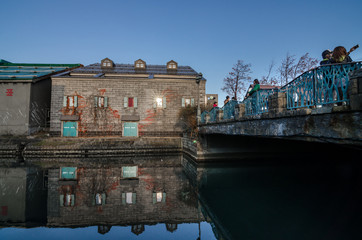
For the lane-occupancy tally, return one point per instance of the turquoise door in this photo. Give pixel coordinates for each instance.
(69, 129)
(130, 129)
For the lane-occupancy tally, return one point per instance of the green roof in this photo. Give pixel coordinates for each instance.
(30, 71)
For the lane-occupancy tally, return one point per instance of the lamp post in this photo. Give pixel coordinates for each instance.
(198, 79)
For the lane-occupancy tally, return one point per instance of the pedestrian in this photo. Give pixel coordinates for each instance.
(226, 100)
(256, 87)
(326, 56)
(215, 104)
(340, 55)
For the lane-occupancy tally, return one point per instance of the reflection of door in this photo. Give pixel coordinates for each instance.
(130, 129)
(69, 129)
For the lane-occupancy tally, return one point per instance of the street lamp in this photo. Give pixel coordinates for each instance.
(198, 79)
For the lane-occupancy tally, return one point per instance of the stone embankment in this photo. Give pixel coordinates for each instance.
(28, 148)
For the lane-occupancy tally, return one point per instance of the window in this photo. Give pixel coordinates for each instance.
(140, 64)
(188, 102)
(100, 102)
(70, 101)
(130, 102)
(159, 197)
(100, 199)
(107, 63)
(172, 65)
(129, 198)
(160, 102)
(67, 200)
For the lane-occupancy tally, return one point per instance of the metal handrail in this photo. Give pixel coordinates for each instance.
(323, 85)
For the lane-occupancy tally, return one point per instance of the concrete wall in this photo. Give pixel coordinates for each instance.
(108, 121)
(13, 194)
(14, 110)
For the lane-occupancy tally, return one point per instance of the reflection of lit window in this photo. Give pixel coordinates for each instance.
(99, 199)
(129, 198)
(159, 102)
(159, 197)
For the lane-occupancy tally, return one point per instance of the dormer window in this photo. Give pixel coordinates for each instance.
(107, 63)
(140, 64)
(172, 65)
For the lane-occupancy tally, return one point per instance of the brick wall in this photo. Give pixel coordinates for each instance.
(152, 121)
(154, 175)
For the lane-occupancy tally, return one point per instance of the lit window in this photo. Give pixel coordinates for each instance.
(159, 197)
(159, 102)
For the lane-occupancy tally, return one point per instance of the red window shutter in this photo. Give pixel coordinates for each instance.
(130, 102)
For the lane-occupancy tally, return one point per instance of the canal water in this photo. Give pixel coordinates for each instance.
(172, 197)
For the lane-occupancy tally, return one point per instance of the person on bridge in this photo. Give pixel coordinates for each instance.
(226, 100)
(326, 55)
(340, 55)
(255, 88)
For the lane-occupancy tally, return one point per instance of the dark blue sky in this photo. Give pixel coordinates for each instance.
(209, 36)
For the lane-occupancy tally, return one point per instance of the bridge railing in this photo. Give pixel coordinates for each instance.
(323, 85)
(320, 86)
(229, 109)
(258, 102)
(213, 114)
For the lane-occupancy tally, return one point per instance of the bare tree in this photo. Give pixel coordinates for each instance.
(304, 64)
(237, 79)
(286, 69)
(289, 70)
(269, 79)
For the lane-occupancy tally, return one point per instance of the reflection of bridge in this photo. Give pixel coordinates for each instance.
(323, 104)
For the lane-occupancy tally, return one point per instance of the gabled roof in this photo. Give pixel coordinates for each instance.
(130, 69)
(30, 71)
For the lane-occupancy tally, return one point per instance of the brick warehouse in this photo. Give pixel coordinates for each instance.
(123, 99)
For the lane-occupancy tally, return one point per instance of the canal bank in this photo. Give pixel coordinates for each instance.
(52, 147)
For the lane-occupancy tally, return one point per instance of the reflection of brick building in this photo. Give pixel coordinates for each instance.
(136, 194)
(123, 99)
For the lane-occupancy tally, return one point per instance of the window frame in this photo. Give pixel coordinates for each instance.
(98, 103)
(67, 100)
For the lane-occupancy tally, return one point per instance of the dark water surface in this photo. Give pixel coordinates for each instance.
(171, 197)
